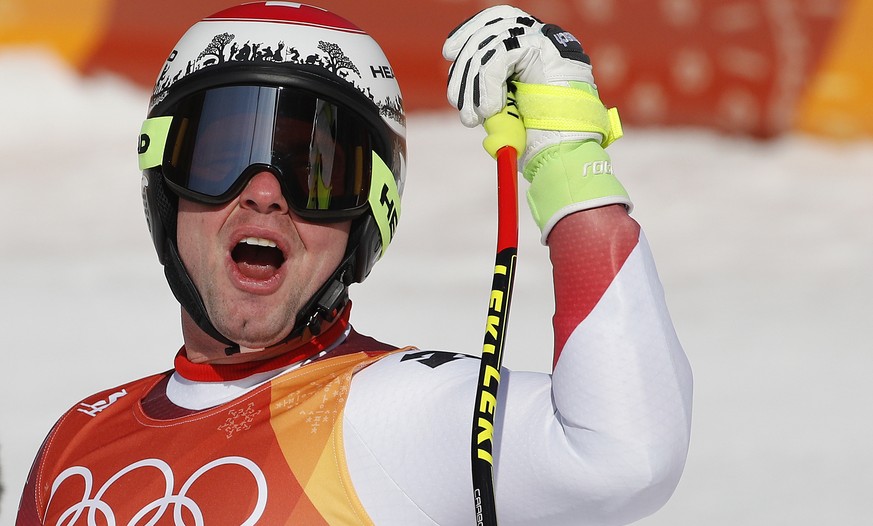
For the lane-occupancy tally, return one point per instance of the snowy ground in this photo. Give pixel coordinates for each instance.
(765, 250)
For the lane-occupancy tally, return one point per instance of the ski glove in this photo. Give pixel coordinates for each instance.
(503, 49)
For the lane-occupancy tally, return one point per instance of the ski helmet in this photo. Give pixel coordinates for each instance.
(260, 58)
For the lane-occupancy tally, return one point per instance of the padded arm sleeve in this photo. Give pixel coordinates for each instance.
(601, 441)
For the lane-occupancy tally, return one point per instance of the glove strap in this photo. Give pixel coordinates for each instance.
(563, 108)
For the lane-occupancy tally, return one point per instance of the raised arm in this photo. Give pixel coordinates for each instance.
(602, 440)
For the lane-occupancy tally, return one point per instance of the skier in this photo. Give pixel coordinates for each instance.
(269, 188)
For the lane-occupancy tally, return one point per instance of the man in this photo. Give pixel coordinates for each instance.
(273, 163)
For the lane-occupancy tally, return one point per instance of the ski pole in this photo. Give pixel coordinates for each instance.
(505, 140)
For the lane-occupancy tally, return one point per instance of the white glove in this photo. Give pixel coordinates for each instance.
(504, 42)
(557, 99)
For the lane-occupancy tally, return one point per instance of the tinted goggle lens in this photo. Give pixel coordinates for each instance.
(217, 139)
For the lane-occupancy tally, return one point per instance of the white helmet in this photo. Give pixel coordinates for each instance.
(265, 65)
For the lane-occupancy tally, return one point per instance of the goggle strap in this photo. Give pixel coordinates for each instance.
(384, 200)
(153, 141)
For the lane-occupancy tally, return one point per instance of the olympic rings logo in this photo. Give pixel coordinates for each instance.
(94, 505)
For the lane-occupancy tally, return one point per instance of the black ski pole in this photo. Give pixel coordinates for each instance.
(506, 138)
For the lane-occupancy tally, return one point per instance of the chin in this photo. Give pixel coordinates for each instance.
(255, 325)
(257, 337)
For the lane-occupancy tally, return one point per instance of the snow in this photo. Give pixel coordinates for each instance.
(765, 250)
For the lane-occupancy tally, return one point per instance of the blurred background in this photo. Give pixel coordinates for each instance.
(760, 67)
(747, 152)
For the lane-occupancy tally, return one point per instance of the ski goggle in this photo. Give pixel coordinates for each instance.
(214, 141)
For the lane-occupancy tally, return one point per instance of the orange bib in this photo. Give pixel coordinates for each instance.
(273, 456)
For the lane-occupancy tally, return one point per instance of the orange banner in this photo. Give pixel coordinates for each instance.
(759, 67)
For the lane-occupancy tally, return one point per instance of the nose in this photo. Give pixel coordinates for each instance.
(263, 194)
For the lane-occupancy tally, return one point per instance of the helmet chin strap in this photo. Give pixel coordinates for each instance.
(187, 294)
(321, 307)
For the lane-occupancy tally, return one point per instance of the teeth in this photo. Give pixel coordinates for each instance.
(261, 242)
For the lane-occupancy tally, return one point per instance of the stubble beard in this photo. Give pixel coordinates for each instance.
(249, 324)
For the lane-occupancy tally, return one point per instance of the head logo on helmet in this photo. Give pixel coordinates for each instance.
(256, 33)
(293, 46)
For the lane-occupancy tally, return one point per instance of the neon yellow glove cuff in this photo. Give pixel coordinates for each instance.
(570, 177)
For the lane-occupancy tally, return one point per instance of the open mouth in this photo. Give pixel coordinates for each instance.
(257, 258)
